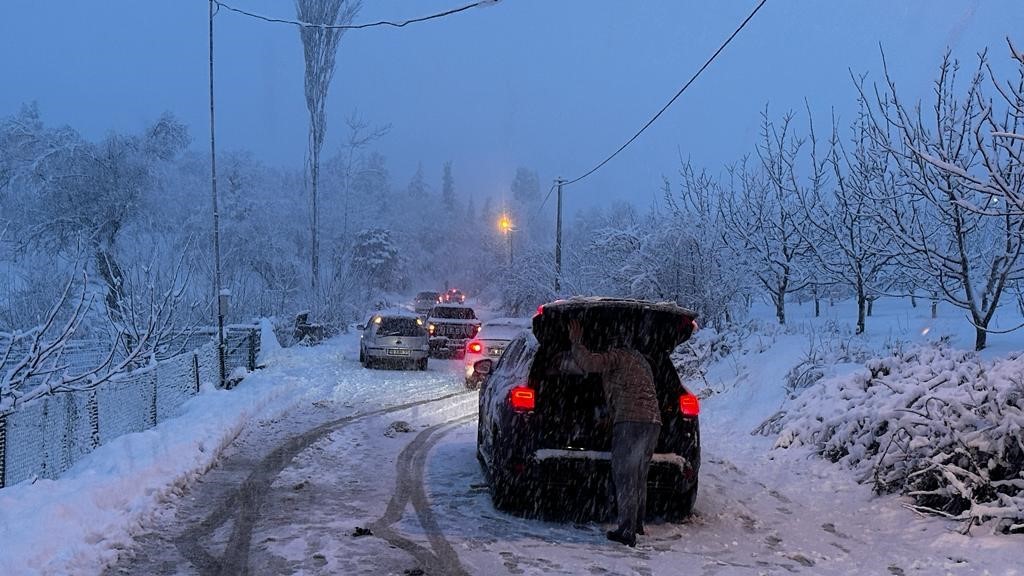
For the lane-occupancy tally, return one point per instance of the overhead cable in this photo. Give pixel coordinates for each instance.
(398, 24)
(679, 93)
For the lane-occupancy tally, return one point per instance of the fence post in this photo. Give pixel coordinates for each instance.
(252, 350)
(3, 450)
(195, 369)
(152, 405)
(92, 407)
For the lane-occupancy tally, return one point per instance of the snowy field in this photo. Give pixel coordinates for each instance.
(280, 474)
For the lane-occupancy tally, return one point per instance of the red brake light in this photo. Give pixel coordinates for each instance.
(475, 347)
(540, 310)
(689, 405)
(522, 398)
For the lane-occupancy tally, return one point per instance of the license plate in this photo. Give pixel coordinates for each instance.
(397, 352)
(497, 351)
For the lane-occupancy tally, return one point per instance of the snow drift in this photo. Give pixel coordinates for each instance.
(937, 424)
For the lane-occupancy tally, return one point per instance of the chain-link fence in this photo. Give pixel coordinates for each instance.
(45, 438)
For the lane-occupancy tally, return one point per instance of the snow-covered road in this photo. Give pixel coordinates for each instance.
(393, 453)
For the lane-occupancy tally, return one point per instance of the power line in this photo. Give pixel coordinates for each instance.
(541, 207)
(398, 24)
(679, 93)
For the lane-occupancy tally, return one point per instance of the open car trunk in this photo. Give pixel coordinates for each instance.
(644, 326)
(571, 412)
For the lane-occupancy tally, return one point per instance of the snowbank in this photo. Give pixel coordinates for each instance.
(75, 525)
(935, 423)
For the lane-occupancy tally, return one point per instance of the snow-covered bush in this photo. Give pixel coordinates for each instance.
(825, 351)
(693, 358)
(934, 423)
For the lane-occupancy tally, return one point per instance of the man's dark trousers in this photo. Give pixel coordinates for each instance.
(632, 447)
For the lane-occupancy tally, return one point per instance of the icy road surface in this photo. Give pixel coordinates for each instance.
(289, 495)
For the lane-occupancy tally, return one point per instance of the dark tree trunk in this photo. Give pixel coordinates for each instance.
(871, 306)
(980, 337)
(861, 306)
(113, 277)
(935, 308)
(780, 308)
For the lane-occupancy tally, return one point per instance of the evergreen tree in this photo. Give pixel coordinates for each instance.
(448, 188)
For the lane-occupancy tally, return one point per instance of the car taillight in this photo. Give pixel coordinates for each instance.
(522, 398)
(431, 329)
(475, 347)
(689, 405)
(540, 310)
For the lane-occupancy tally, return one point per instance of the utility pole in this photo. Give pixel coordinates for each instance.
(558, 240)
(219, 298)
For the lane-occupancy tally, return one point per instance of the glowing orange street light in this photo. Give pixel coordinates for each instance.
(505, 225)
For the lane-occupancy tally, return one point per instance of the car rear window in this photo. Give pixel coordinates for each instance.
(427, 296)
(454, 313)
(399, 327)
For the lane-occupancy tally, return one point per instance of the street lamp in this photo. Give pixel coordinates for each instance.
(505, 225)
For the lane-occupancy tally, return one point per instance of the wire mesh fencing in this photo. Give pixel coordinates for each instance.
(46, 438)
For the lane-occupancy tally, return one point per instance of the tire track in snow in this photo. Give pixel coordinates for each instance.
(410, 487)
(242, 506)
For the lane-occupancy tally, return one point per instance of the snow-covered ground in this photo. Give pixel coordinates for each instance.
(280, 473)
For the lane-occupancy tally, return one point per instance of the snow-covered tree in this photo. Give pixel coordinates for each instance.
(764, 221)
(850, 247)
(320, 46)
(942, 224)
(703, 273)
(75, 195)
(448, 188)
(377, 261)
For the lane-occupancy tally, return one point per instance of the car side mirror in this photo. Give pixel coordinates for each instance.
(483, 366)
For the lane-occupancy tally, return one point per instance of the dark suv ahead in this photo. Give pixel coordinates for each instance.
(545, 430)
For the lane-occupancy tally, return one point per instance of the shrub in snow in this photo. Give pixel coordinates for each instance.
(693, 358)
(825, 351)
(937, 424)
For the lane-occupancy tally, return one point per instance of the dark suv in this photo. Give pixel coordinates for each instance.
(545, 430)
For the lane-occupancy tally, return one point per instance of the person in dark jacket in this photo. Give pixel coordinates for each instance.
(629, 390)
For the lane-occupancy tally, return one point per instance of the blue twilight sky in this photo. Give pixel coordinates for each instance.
(555, 85)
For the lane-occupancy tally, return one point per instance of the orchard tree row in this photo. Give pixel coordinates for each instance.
(917, 199)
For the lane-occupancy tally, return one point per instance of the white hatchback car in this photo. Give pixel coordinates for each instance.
(394, 337)
(491, 342)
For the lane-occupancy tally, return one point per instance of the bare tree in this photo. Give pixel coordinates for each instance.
(942, 221)
(703, 274)
(32, 360)
(764, 220)
(851, 249)
(320, 46)
(77, 194)
(344, 165)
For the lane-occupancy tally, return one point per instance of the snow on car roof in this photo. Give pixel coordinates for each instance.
(584, 301)
(522, 322)
(394, 312)
(503, 328)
